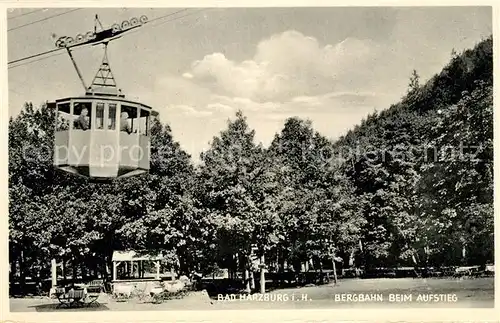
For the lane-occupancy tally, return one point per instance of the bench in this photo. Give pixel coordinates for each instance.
(76, 297)
(95, 286)
(73, 298)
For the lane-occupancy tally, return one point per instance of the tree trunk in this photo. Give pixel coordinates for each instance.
(84, 271)
(63, 267)
(352, 257)
(334, 269)
(103, 271)
(321, 278)
(426, 250)
(414, 260)
(53, 271)
(281, 268)
(252, 280)
(236, 265)
(277, 263)
(464, 254)
(13, 269)
(247, 281)
(74, 272)
(22, 274)
(297, 266)
(262, 275)
(108, 265)
(415, 264)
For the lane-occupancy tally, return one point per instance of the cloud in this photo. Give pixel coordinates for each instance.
(189, 111)
(345, 98)
(307, 100)
(288, 75)
(246, 104)
(289, 65)
(219, 107)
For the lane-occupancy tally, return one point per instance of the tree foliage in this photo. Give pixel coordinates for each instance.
(411, 185)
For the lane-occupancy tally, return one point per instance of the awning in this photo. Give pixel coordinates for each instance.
(132, 255)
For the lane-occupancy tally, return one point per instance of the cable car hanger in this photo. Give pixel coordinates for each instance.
(104, 77)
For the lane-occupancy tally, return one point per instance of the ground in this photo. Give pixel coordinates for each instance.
(392, 293)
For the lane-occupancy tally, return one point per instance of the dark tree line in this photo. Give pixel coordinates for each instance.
(411, 185)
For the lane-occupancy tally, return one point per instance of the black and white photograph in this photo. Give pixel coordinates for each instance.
(249, 158)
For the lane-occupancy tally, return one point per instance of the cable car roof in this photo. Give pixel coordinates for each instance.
(108, 98)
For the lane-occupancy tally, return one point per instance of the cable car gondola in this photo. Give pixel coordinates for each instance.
(101, 135)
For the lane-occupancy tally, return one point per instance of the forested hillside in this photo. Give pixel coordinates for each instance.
(425, 174)
(411, 185)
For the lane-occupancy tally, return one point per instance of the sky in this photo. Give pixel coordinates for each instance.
(333, 66)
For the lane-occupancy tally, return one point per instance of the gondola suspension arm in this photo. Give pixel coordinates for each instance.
(76, 68)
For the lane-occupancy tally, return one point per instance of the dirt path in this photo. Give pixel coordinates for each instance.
(369, 293)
